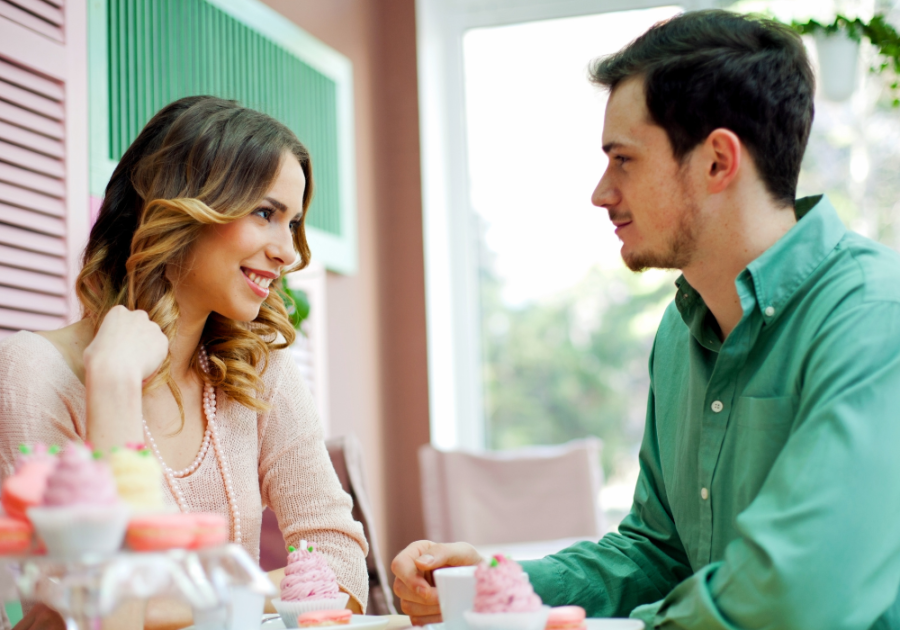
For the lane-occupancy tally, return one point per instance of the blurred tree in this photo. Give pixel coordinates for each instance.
(572, 366)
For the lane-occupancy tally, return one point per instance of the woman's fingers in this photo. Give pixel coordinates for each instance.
(127, 344)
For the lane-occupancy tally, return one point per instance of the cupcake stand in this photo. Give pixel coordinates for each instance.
(86, 589)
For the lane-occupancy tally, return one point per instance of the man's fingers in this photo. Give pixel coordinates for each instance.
(419, 610)
(421, 594)
(447, 555)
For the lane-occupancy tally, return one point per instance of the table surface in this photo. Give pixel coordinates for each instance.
(398, 622)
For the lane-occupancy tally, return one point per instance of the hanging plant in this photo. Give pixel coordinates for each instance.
(878, 31)
(297, 303)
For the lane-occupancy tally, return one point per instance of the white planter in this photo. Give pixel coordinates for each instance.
(838, 63)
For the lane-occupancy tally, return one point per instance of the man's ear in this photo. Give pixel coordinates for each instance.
(723, 153)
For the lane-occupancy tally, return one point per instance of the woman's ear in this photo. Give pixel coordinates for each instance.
(724, 153)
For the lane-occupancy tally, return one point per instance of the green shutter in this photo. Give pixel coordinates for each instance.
(153, 52)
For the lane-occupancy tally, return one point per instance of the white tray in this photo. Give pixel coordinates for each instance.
(370, 622)
(592, 624)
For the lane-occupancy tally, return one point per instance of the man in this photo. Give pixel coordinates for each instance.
(769, 493)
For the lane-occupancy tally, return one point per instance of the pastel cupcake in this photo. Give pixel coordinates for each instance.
(25, 488)
(80, 511)
(504, 598)
(309, 584)
(40, 453)
(139, 478)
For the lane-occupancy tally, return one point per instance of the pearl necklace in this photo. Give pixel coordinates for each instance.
(210, 436)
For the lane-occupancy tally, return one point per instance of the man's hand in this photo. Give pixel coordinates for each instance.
(413, 583)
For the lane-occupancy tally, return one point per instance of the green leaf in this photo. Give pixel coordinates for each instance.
(297, 304)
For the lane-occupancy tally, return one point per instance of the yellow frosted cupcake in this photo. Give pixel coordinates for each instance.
(138, 478)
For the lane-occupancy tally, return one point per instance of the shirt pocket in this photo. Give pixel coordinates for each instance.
(757, 433)
(751, 412)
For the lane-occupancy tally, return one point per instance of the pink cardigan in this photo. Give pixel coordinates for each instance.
(277, 459)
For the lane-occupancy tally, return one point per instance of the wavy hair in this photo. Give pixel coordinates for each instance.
(200, 161)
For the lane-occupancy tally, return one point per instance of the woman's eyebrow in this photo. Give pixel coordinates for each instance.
(278, 205)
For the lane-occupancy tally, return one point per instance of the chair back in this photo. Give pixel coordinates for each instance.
(530, 494)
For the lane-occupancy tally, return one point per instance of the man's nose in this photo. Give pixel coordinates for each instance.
(605, 194)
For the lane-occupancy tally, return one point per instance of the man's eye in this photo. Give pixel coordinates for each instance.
(621, 159)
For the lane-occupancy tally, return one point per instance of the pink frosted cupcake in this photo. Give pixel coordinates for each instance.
(25, 488)
(504, 599)
(80, 512)
(309, 584)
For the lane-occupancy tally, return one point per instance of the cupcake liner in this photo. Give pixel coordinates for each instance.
(290, 610)
(535, 620)
(81, 529)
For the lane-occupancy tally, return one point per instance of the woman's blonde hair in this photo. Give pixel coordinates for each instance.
(200, 161)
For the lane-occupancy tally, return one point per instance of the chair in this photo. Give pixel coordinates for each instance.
(533, 494)
(346, 457)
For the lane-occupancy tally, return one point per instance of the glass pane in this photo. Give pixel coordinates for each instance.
(566, 328)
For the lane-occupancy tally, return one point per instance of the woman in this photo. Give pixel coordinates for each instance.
(203, 214)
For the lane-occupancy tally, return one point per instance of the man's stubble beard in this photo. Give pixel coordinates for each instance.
(681, 246)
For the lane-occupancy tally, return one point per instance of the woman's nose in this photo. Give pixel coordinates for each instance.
(282, 249)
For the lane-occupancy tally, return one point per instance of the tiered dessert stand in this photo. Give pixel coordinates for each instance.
(85, 589)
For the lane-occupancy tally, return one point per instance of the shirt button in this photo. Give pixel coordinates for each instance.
(704, 494)
(770, 310)
(717, 406)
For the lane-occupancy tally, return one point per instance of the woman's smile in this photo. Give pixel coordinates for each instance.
(259, 281)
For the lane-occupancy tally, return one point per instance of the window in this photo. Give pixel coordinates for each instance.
(565, 328)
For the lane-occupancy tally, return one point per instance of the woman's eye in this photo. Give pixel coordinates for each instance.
(265, 213)
(294, 225)
(621, 159)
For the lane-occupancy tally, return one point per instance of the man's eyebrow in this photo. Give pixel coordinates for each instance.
(609, 146)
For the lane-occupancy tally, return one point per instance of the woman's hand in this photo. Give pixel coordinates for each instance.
(127, 345)
(126, 351)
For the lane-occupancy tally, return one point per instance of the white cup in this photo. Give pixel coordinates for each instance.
(456, 592)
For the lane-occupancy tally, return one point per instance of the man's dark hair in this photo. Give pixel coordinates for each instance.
(713, 69)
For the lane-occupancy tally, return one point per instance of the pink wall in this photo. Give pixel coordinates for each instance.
(377, 343)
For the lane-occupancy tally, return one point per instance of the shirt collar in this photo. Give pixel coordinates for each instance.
(776, 275)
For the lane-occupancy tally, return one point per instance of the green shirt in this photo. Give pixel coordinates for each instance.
(769, 493)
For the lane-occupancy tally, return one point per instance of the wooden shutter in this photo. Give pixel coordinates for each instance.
(152, 52)
(34, 231)
(42, 16)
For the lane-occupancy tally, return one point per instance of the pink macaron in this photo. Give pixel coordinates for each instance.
(15, 536)
(210, 530)
(566, 618)
(317, 618)
(157, 532)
